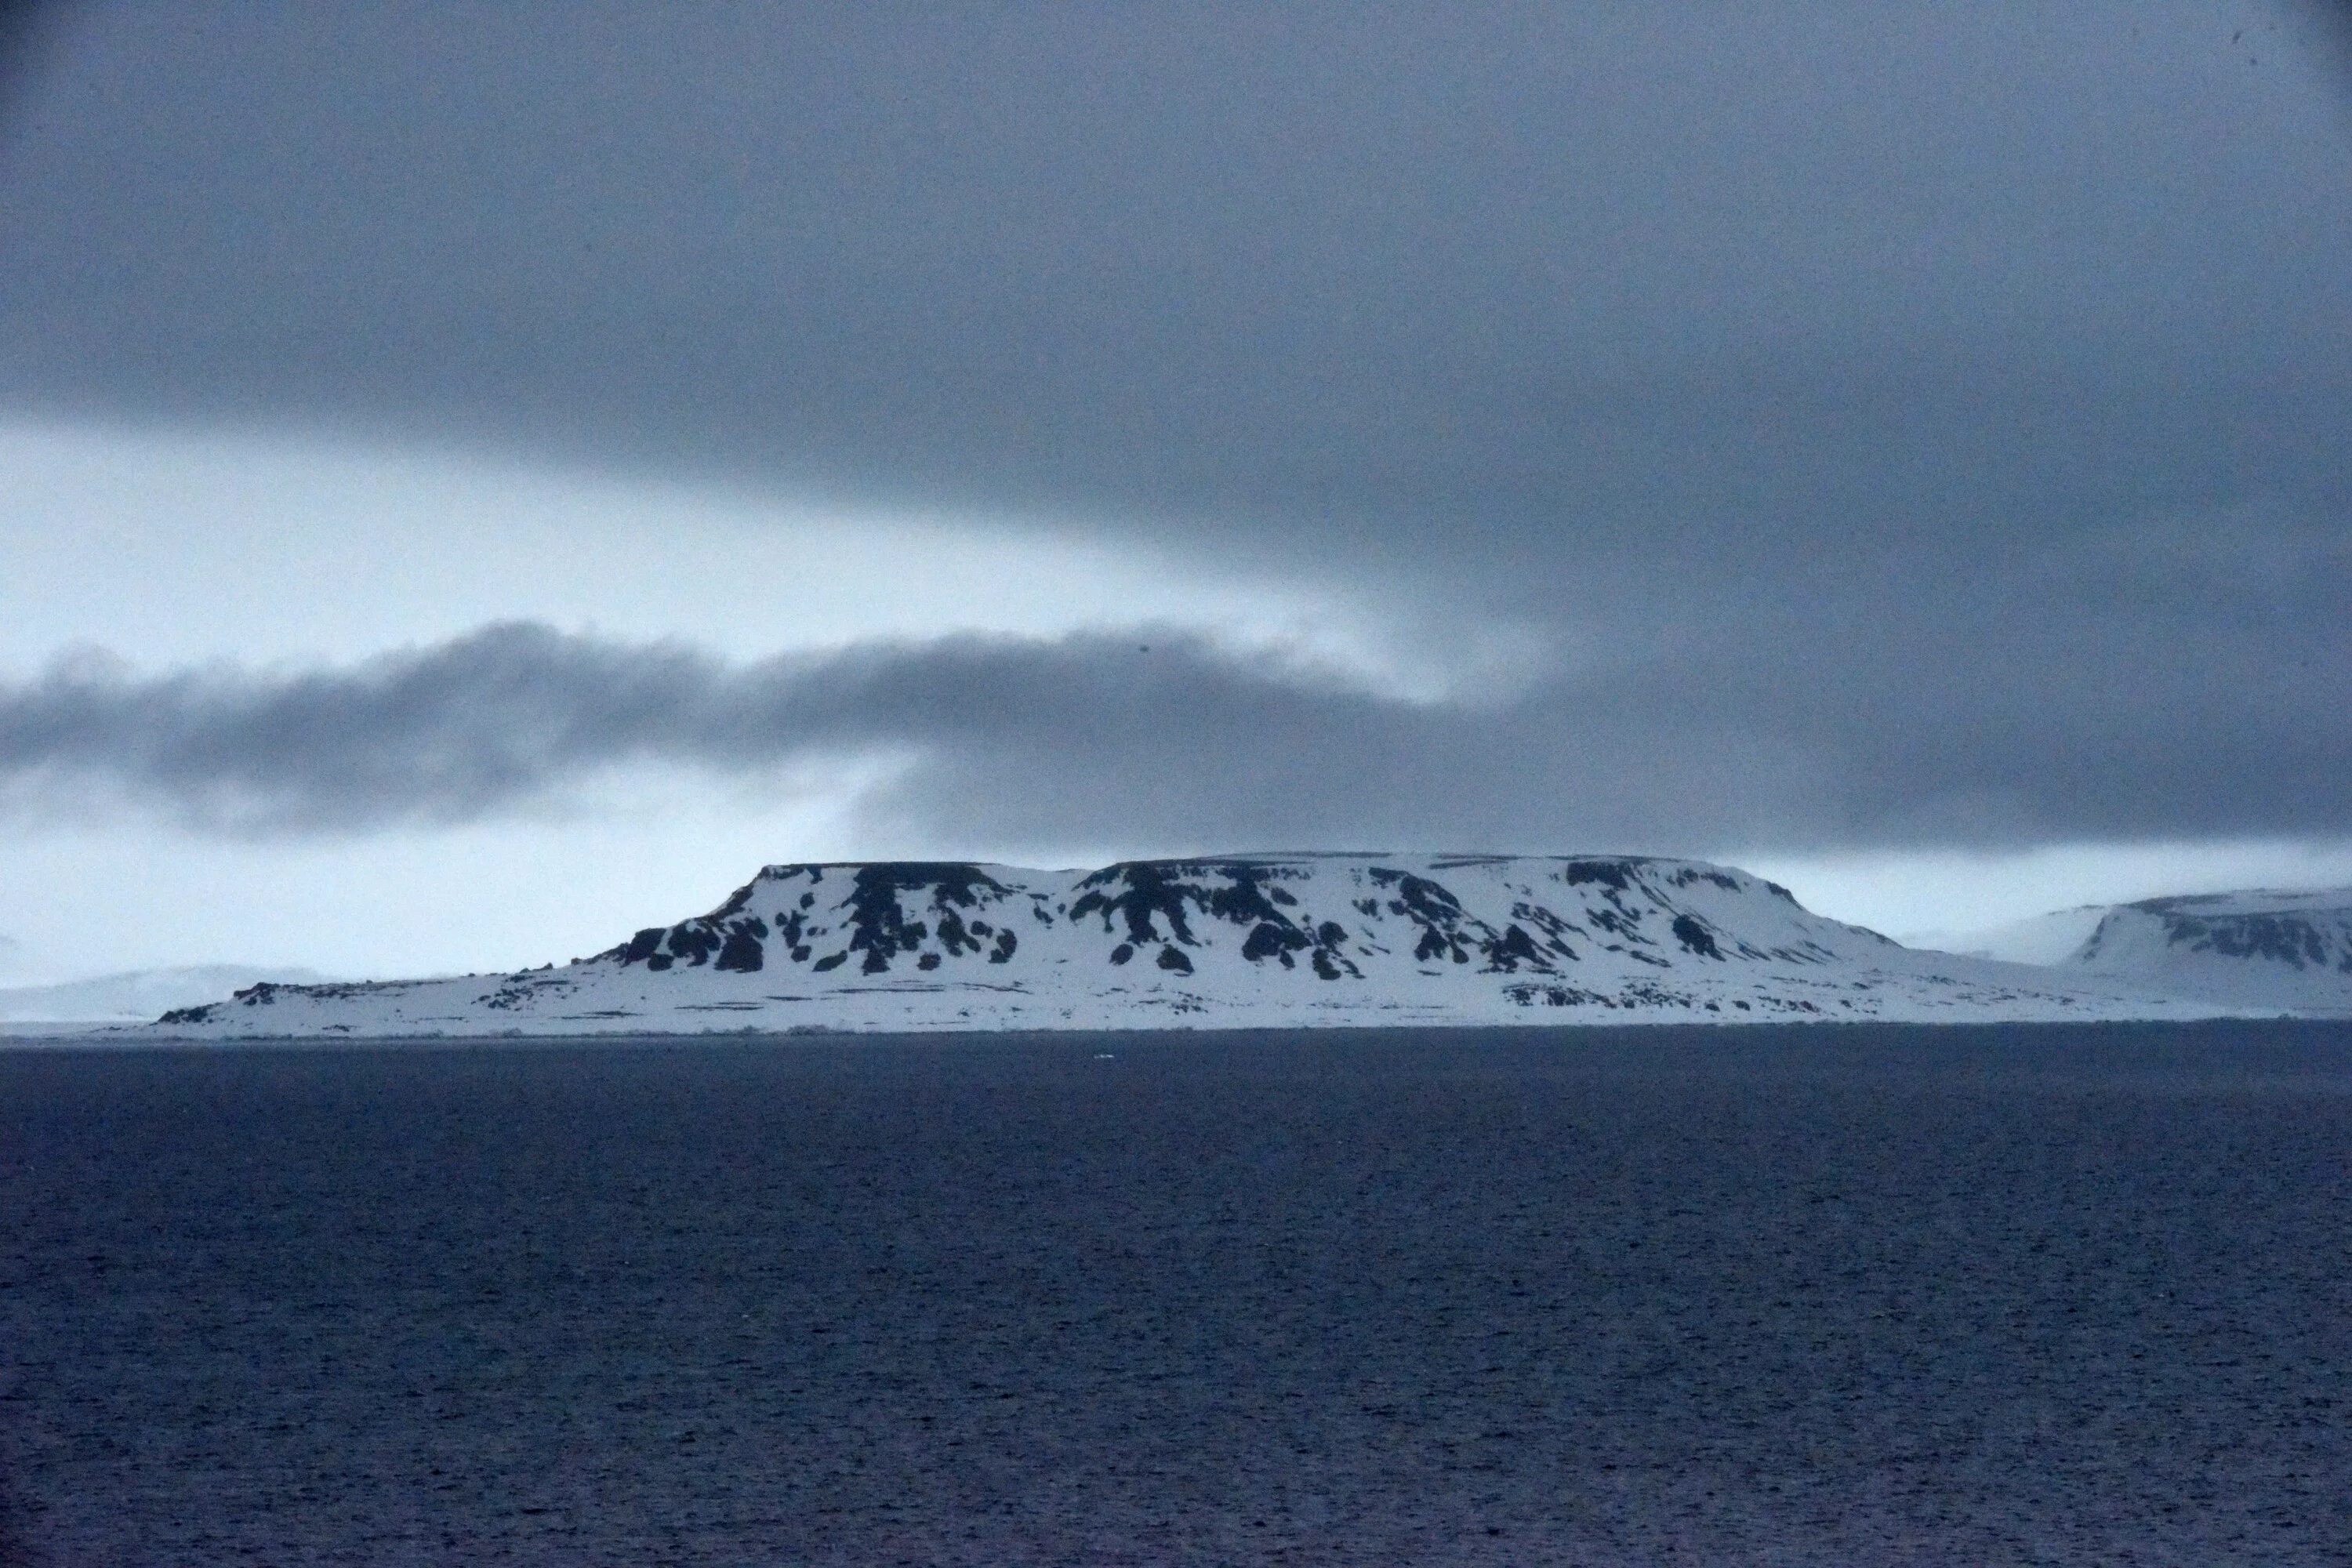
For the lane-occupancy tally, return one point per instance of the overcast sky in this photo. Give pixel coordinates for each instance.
(478, 478)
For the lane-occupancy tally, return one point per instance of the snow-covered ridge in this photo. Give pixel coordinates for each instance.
(1241, 940)
(2256, 948)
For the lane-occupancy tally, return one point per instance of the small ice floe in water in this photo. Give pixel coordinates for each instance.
(1105, 1057)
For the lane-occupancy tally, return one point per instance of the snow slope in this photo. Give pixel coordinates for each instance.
(1233, 941)
(133, 995)
(2275, 951)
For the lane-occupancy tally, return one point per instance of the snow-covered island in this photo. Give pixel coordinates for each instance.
(1232, 942)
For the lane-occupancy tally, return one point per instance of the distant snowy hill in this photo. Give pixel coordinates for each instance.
(2282, 951)
(1233, 941)
(133, 996)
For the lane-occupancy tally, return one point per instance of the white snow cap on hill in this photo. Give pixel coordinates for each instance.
(1243, 941)
(2287, 952)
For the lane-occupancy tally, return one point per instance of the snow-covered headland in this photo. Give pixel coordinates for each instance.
(2259, 949)
(1234, 942)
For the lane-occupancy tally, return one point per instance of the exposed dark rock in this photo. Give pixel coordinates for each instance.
(1553, 995)
(1554, 927)
(743, 951)
(1417, 896)
(954, 935)
(1512, 948)
(735, 903)
(1238, 892)
(877, 918)
(2272, 939)
(1132, 894)
(1269, 939)
(694, 942)
(1696, 938)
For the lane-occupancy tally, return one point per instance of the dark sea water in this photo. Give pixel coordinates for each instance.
(1770, 1296)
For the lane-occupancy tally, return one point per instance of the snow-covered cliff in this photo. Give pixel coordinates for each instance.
(1232, 942)
(2280, 951)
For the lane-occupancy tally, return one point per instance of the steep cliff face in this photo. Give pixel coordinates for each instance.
(1237, 941)
(2288, 951)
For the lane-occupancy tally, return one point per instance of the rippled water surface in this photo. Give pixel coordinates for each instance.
(1786, 1296)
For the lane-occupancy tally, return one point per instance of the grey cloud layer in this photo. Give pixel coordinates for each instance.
(1163, 742)
(1517, 272)
(1934, 417)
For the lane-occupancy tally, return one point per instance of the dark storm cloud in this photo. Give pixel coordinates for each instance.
(1933, 417)
(1169, 741)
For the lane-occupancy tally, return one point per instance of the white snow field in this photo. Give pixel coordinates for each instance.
(1234, 942)
(2040, 938)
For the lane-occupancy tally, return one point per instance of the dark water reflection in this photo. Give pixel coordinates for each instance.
(1850, 1295)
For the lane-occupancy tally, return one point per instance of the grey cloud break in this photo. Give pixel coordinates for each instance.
(1033, 741)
